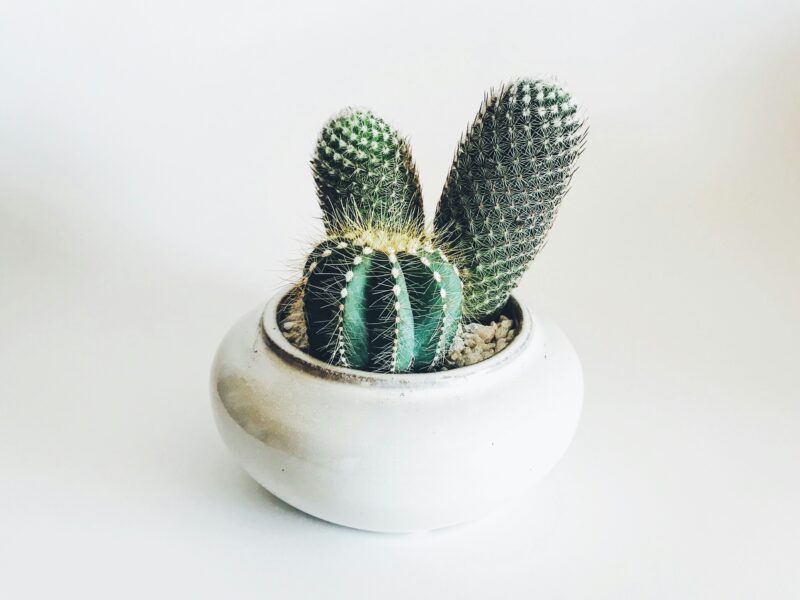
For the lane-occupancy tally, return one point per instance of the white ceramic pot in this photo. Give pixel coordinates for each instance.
(395, 453)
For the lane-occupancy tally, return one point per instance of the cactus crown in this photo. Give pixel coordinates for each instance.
(383, 294)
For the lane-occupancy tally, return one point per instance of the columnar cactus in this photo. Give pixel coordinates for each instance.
(510, 172)
(380, 302)
(365, 176)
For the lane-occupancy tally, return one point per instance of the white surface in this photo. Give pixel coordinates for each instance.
(154, 182)
(395, 453)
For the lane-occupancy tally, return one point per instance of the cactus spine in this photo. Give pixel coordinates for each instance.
(510, 172)
(365, 175)
(380, 306)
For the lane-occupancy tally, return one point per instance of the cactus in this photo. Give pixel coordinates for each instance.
(380, 293)
(380, 301)
(510, 172)
(365, 176)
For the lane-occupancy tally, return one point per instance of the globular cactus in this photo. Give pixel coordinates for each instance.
(510, 172)
(365, 176)
(380, 301)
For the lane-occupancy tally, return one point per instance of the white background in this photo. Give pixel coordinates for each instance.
(154, 185)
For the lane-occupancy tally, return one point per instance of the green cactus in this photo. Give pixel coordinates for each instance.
(380, 301)
(510, 172)
(380, 293)
(365, 176)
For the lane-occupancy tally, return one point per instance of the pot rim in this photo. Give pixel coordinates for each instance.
(275, 340)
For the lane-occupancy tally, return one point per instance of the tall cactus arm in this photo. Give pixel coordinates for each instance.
(509, 175)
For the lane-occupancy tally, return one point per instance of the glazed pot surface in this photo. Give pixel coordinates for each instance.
(395, 452)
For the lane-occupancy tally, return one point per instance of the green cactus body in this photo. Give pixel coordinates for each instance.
(510, 172)
(389, 308)
(376, 295)
(365, 176)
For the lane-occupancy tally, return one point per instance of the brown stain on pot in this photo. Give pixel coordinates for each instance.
(242, 401)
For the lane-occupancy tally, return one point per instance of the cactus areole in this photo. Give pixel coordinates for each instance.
(384, 294)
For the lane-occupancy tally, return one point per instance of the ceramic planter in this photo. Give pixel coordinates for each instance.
(395, 453)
